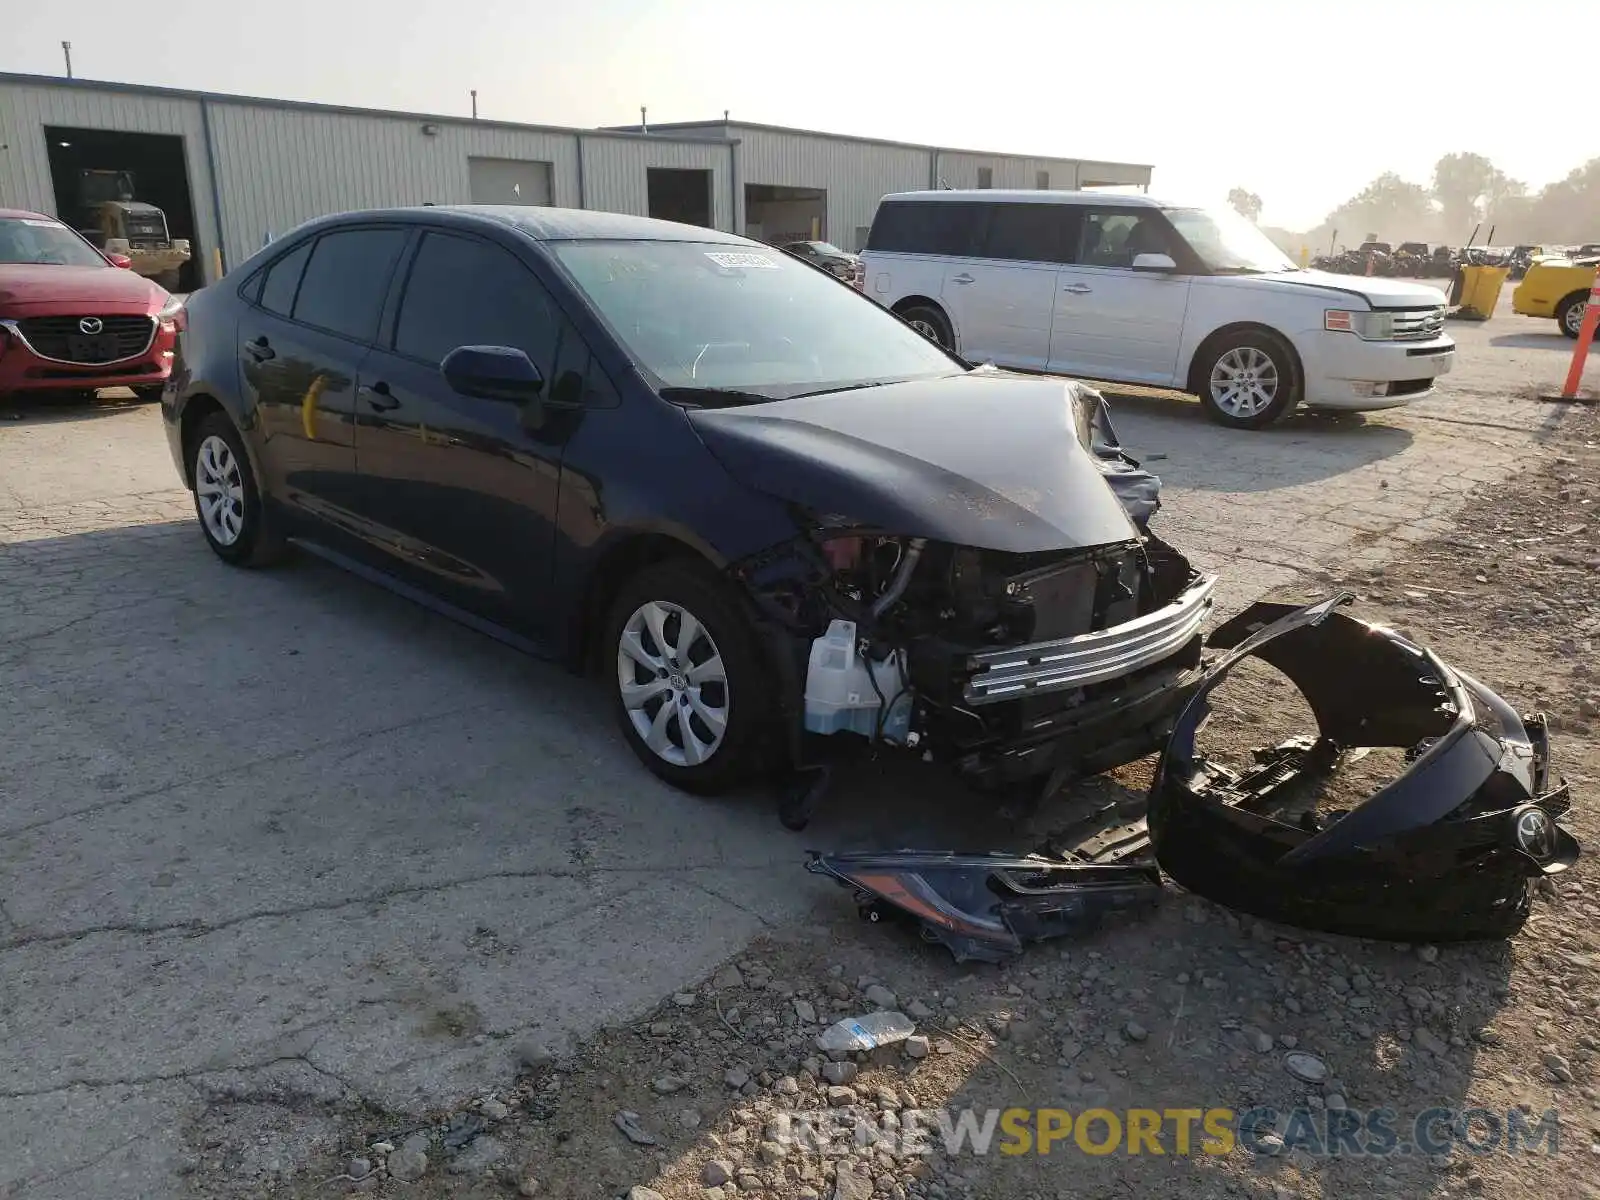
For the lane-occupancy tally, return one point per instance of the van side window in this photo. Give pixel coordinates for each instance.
(1031, 232)
(1112, 237)
(928, 227)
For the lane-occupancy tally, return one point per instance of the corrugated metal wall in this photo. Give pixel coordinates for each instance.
(960, 170)
(615, 179)
(856, 174)
(25, 162)
(278, 167)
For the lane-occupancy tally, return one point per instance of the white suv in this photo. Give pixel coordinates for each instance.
(1128, 289)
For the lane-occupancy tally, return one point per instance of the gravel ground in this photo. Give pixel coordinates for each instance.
(1190, 1007)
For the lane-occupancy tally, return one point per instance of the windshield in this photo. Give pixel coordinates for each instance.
(40, 242)
(1228, 243)
(747, 320)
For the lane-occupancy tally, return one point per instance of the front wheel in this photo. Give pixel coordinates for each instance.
(685, 672)
(1247, 381)
(1570, 313)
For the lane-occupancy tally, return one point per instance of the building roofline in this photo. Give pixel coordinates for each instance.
(144, 89)
(669, 126)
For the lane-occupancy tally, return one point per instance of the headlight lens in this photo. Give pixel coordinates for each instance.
(171, 314)
(1369, 326)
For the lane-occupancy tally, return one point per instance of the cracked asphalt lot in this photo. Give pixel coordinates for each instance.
(280, 830)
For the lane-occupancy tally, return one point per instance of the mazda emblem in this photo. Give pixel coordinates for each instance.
(91, 324)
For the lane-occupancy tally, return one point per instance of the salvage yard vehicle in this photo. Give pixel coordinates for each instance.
(73, 319)
(1129, 289)
(827, 256)
(755, 503)
(1556, 287)
(116, 222)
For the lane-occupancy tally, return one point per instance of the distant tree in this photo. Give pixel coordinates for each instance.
(1394, 209)
(1462, 184)
(1245, 202)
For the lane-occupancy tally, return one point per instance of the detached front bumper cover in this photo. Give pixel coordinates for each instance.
(1445, 852)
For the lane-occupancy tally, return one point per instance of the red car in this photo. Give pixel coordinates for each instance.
(74, 319)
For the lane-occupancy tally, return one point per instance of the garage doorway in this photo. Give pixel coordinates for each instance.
(508, 181)
(785, 214)
(88, 166)
(679, 195)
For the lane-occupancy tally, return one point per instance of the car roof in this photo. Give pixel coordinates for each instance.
(542, 224)
(1027, 196)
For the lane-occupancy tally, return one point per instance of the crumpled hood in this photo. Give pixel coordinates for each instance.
(1000, 462)
(119, 290)
(1378, 291)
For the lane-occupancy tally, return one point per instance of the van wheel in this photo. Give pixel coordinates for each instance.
(686, 677)
(931, 324)
(1570, 313)
(1247, 381)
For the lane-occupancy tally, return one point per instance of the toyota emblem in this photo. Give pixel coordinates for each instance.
(90, 324)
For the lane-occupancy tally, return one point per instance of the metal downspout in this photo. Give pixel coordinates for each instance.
(216, 190)
(583, 200)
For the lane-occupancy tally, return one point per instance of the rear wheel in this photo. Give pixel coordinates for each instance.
(931, 324)
(1569, 313)
(1247, 380)
(233, 516)
(685, 672)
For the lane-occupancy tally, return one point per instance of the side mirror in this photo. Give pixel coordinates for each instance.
(120, 260)
(492, 373)
(1154, 262)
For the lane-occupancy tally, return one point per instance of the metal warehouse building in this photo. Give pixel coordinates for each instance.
(232, 171)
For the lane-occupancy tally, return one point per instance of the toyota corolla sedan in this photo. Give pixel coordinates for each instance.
(73, 319)
(760, 508)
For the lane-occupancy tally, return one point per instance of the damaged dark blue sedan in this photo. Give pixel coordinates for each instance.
(759, 507)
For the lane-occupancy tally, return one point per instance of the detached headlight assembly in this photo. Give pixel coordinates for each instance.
(1366, 325)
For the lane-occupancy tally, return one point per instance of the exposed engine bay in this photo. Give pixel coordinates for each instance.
(1013, 666)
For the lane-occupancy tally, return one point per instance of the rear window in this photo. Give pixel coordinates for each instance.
(928, 227)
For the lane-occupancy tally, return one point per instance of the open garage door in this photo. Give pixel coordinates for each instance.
(676, 194)
(133, 186)
(785, 214)
(508, 181)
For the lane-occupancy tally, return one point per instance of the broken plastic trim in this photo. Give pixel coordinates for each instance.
(985, 907)
(1445, 852)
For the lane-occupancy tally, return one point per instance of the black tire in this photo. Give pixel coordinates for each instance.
(1569, 313)
(258, 542)
(745, 693)
(931, 323)
(1241, 354)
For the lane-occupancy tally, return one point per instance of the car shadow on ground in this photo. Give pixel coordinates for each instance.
(41, 408)
(1174, 439)
(1554, 340)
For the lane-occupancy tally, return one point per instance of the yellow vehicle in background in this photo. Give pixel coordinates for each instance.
(1556, 287)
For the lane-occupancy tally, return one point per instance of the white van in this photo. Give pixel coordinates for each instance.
(1127, 289)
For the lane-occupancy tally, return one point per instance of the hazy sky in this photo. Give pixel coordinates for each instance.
(1301, 102)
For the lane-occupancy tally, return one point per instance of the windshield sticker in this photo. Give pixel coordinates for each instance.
(732, 260)
(41, 224)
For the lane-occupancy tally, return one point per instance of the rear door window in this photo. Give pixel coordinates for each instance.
(929, 227)
(346, 281)
(1031, 232)
(283, 280)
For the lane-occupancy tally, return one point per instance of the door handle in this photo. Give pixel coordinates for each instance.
(260, 349)
(1078, 289)
(962, 278)
(380, 397)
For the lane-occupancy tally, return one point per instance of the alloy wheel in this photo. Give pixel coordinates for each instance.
(927, 330)
(220, 490)
(1244, 382)
(1574, 318)
(673, 684)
